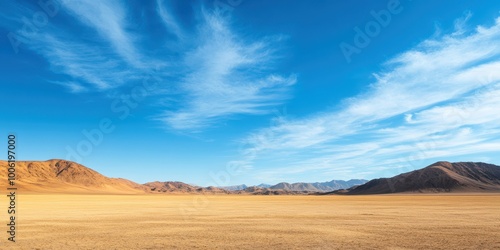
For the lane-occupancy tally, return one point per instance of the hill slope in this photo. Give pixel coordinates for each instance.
(60, 176)
(438, 177)
(318, 186)
(181, 187)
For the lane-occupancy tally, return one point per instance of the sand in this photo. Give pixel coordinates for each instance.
(58, 221)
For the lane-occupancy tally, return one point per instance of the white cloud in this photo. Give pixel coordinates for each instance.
(408, 118)
(90, 65)
(72, 86)
(108, 18)
(226, 76)
(461, 23)
(213, 72)
(169, 21)
(439, 99)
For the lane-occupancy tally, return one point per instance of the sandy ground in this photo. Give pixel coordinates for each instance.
(255, 222)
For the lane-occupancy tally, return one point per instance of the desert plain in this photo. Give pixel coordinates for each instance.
(154, 221)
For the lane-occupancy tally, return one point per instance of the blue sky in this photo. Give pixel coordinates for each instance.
(230, 92)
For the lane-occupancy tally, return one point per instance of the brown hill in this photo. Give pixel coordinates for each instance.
(60, 176)
(181, 187)
(438, 177)
(254, 190)
(175, 187)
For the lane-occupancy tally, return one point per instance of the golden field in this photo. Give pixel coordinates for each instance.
(60, 221)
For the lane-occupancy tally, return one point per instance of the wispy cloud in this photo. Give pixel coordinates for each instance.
(217, 73)
(72, 86)
(169, 20)
(436, 100)
(226, 76)
(461, 23)
(85, 57)
(84, 63)
(108, 19)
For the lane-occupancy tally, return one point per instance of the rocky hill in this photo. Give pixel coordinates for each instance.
(438, 177)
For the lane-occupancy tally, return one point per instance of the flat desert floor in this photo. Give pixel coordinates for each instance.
(256, 222)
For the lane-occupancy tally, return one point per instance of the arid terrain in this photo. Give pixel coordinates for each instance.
(65, 205)
(155, 221)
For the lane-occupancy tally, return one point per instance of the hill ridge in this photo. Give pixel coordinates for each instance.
(57, 175)
(441, 176)
(62, 176)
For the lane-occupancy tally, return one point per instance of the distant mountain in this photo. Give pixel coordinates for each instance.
(170, 186)
(262, 185)
(255, 190)
(235, 187)
(181, 187)
(318, 186)
(300, 186)
(60, 176)
(438, 177)
(243, 187)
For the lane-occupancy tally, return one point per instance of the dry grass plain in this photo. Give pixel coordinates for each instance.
(60, 221)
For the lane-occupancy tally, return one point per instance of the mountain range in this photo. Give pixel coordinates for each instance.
(60, 176)
(304, 186)
(439, 177)
(319, 186)
(181, 187)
